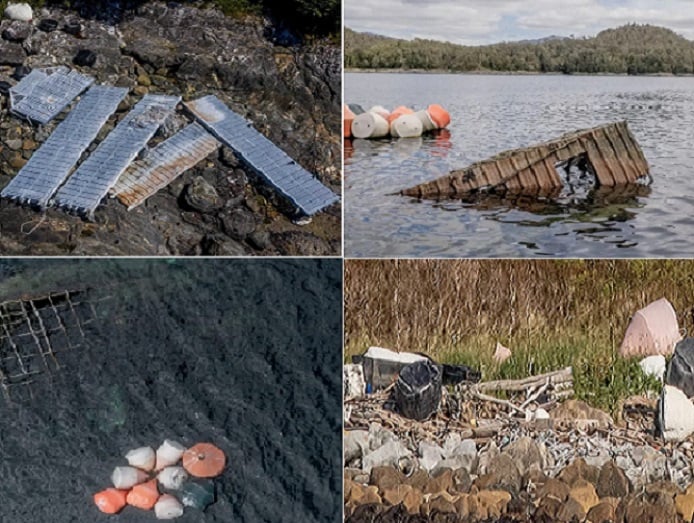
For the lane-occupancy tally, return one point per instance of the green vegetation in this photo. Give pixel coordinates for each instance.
(631, 49)
(552, 314)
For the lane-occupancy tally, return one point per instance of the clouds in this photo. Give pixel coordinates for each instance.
(476, 22)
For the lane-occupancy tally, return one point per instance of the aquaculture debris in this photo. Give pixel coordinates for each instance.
(610, 152)
(652, 330)
(140, 483)
(402, 122)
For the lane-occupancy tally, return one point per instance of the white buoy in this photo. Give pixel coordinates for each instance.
(380, 110)
(172, 478)
(127, 477)
(143, 458)
(370, 125)
(21, 12)
(406, 126)
(169, 453)
(427, 123)
(168, 507)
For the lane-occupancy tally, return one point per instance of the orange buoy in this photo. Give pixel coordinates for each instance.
(111, 500)
(144, 495)
(347, 119)
(204, 460)
(399, 111)
(439, 115)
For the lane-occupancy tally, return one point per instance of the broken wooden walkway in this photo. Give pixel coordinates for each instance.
(609, 151)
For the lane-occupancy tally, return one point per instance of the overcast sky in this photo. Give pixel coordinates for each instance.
(476, 22)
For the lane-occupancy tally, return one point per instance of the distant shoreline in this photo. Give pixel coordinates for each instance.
(506, 73)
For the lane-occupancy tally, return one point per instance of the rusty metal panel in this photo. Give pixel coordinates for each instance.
(44, 93)
(85, 189)
(260, 154)
(164, 164)
(50, 165)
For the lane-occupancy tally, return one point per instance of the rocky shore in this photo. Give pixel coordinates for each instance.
(290, 92)
(578, 465)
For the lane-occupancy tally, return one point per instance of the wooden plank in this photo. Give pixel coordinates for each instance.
(613, 154)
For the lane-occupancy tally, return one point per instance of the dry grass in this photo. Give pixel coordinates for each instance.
(550, 313)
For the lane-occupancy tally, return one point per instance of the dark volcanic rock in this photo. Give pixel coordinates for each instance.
(239, 223)
(85, 58)
(11, 53)
(48, 25)
(202, 196)
(17, 31)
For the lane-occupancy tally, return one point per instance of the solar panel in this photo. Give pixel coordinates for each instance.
(84, 190)
(264, 157)
(51, 164)
(164, 164)
(44, 93)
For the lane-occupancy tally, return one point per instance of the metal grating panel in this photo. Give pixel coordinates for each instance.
(259, 153)
(164, 164)
(44, 93)
(51, 164)
(92, 180)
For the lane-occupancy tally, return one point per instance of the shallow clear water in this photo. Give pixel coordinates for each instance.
(244, 354)
(493, 113)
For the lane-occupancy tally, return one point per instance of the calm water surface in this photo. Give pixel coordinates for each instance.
(494, 113)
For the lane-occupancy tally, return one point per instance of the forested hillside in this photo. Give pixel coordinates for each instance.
(630, 49)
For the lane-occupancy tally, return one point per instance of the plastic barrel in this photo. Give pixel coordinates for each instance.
(379, 109)
(370, 125)
(417, 392)
(439, 116)
(406, 126)
(399, 111)
(427, 123)
(347, 119)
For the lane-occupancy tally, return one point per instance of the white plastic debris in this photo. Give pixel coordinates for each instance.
(21, 12)
(168, 507)
(676, 414)
(654, 366)
(355, 385)
(652, 330)
(379, 353)
(501, 354)
(127, 477)
(141, 458)
(169, 453)
(172, 478)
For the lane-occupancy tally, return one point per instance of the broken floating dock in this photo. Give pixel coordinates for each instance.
(609, 151)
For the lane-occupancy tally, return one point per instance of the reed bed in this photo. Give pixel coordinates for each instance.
(550, 313)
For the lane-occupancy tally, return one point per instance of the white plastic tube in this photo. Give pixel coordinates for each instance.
(169, 453)
(168, 507)
(127, 477)
(172, 478)
(143, 458)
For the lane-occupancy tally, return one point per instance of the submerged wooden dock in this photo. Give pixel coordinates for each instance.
(609, 151)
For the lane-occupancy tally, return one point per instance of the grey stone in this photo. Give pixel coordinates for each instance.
(17, 31)
(452, 440)
(466, 454)
(485, 456)
(379, 436)
(202, 196)
(239, 223)
(15, 144)
(389, 454)
(430, 454)
(356, 443)
(259, 240)
(11, 53)
(525, 452)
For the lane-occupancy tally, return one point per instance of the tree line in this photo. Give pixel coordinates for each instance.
(630, 49)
